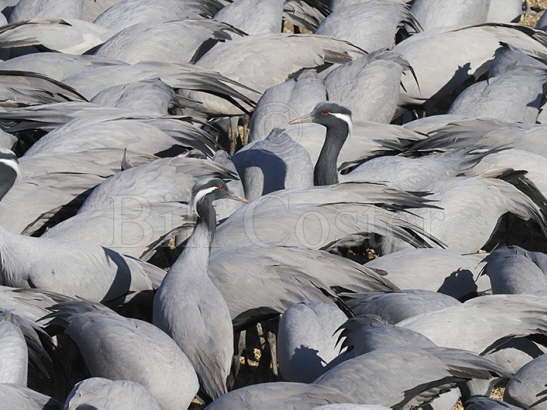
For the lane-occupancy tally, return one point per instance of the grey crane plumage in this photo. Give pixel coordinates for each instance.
(487, 403)
(405, 376)
(304, 14)
(532, 162)
(290, 99)
(140, 228)
(20, 397)
(71, 36)
(306, 50)
(97, 392)
(125, 13)
(24, 308)
(147, 203)
(27, 350)
(306, 340)
(434, 15)
(226, 207)
(47, 263)
(298, 96)
(472, 47)
(33, 9)
(507, 58)
(290, 275)
(439, 270)
(425, 125)
(165, 179)
(95, 79)
(368, 140)
(283, 102)
(301, 51)
(368, 333)
(527, 387)
(7, 140)
(120, 348)
(57, 66)
(541, 24)
(417, 174)
(33, 89)
(484, 330)
(14, 354)
(482, 132)
(122, 121)
(270, 396)
(505, 11)
(168, 42)
(274, 163)
(514, 270)
(29, 304)
(189, 307)
(149, 137)
(343, 209)
(369, 24)
(150, 96)
(398, 305)
(92, 9)
(7, 3)
(459, 215)
(237, 14)
(378, 75)
(514, 95)
(47, 117)
(348, 406)
(53, 184)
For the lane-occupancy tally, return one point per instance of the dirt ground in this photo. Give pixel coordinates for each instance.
(540, 4)
(536, 8)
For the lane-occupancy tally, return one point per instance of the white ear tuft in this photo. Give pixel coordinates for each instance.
(8, 158)
(201, 193)
(344, 117)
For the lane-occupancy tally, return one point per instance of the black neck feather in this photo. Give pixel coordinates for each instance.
(326, 170)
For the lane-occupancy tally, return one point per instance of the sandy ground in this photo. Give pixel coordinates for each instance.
(497, 394)
(537, 7)
(540, 4)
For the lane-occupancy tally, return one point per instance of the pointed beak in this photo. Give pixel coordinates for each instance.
(238, 198)
(302, 120)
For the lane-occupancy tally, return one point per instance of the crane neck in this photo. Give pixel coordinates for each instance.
(194, 259)
(326, 169)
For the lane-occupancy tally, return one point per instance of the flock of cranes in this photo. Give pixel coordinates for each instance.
(350, 192)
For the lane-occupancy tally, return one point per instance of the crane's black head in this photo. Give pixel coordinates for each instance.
(204, 193)
(337, 120)
(327, 114)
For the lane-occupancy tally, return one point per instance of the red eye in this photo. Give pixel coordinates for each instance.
(325, 112)
(222, 187)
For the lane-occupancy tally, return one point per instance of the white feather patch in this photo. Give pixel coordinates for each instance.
(201, 194)
(11, 163)
(344, 117)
